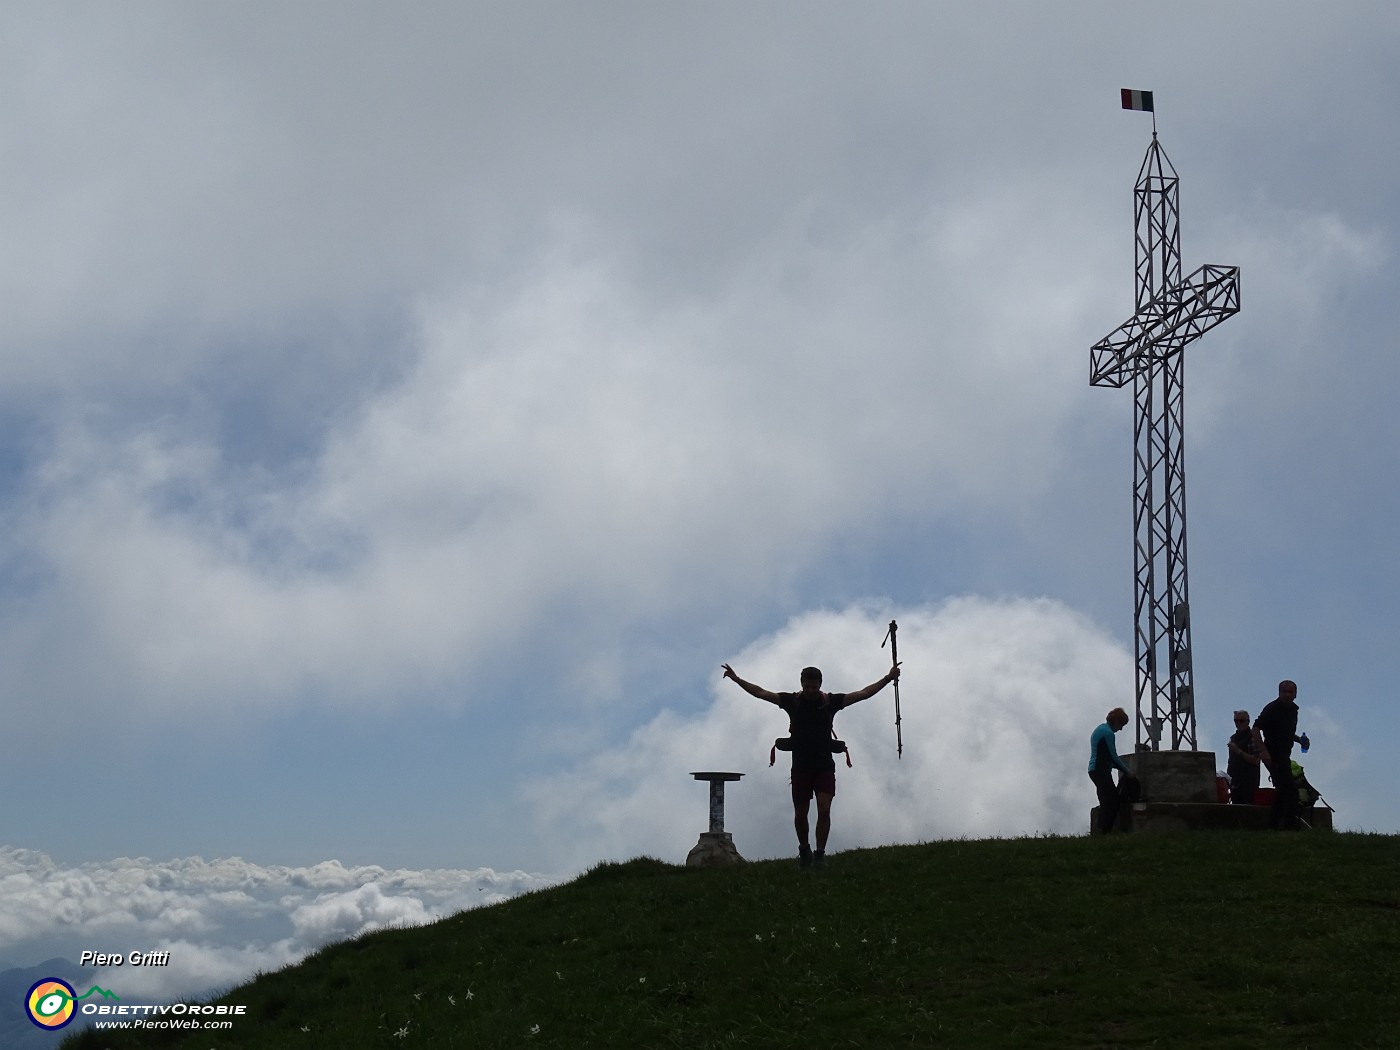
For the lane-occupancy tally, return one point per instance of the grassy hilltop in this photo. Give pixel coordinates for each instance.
(1220, 939)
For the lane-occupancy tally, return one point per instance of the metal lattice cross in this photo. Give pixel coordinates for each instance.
(1147, 351)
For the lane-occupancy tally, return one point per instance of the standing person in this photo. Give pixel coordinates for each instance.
(1274, 736)
(1103, 759)
(810, 714)
(1243, 767)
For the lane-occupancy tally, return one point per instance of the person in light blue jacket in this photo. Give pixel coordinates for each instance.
(1103, 759)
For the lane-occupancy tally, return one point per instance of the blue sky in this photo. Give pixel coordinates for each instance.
(406, 411)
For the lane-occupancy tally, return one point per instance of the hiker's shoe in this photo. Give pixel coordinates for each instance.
(819, 859)
(804, 856)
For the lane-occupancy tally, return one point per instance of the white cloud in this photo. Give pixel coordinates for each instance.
(998, 700)
(335, 916)
(1298, 268)
(652, 356)
(220, 920)
(561, 441)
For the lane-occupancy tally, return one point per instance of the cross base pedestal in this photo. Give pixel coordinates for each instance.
(714, 850)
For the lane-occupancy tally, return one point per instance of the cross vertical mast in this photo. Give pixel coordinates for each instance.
(1165, 694)
(1171, 312)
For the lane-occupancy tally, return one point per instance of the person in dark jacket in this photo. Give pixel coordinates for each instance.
(1243, 767)
(810, 714)
(1274, 735)
(1103, 760)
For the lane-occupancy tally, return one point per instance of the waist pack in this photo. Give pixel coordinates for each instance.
(784, 743)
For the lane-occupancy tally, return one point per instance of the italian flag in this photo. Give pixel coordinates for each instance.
(1137, 99)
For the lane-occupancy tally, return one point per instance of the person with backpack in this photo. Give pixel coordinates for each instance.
(1103, 760)
(810, 714)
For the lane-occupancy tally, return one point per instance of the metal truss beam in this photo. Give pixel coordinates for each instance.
(1177, 316)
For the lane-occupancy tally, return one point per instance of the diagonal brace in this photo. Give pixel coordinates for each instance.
(1165, 325)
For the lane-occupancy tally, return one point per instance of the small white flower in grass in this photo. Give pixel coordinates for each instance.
(306, 1028)
(558, 975)
(402, 1033)
(470, 995)
(451, 1000)
(534, 1029)
(418, 995)
(758, 936)
(641, 980)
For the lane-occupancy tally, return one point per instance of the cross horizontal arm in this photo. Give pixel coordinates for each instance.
(1166, 324)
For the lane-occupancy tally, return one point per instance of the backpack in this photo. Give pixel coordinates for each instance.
(1307, 794)
(784, 743)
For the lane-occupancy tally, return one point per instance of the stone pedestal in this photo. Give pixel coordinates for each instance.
(715, 848)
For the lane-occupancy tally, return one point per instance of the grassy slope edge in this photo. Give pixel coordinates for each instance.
(1221, 939)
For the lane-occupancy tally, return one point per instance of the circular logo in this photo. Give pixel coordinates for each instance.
(50, 1003)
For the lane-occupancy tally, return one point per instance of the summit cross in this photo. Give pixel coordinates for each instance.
(1147, 351)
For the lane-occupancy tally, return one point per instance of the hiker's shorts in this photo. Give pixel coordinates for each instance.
(805, 785)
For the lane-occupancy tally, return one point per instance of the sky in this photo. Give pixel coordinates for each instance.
(406, 410)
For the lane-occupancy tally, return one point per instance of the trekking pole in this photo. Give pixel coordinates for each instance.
(894, 662)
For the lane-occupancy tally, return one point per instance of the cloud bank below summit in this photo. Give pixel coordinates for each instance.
(221, 920)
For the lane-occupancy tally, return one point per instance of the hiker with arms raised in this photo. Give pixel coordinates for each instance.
(811, 712)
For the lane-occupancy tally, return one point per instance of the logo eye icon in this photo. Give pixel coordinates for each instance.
(50, 1003)
(53, 1003)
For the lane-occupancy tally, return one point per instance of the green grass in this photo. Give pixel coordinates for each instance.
(1219, 939)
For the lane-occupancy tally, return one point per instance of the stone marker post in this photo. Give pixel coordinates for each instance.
(716, 847)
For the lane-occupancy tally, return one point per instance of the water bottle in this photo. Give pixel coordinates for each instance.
(1304, 741)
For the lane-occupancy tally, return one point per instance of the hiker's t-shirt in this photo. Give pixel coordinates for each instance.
(1103, 750)
(1278, 723)
(811, 730)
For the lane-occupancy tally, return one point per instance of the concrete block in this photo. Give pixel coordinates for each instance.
(1174, 776)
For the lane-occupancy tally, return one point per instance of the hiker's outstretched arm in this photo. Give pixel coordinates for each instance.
(750, 688)
(871, 689)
